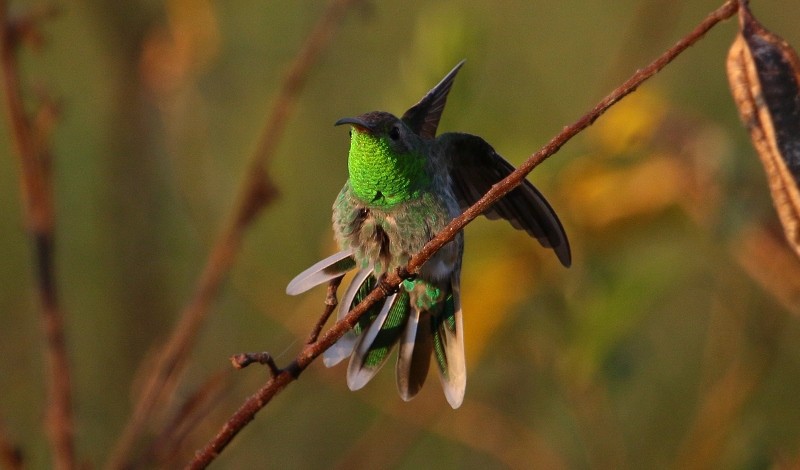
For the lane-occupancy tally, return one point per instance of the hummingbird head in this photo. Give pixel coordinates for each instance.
(387, 161)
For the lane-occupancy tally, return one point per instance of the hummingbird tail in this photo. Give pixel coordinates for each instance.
(423, 325)
(448, 347)
(414, 358)
(359, 287)
(323, 271)
(437, 330)
(374, 346)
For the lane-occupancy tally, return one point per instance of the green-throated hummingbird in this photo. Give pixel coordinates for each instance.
(405, 185)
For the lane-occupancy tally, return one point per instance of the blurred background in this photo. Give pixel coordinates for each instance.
(670, 342)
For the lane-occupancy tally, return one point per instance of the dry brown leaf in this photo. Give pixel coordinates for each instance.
(764, 72)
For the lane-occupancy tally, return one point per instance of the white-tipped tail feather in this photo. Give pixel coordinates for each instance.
(360, 371)
(344, 347)
(454, 379)
(330, 268)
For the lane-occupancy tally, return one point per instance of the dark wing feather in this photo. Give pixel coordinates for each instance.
(475, 167)
(423, 117)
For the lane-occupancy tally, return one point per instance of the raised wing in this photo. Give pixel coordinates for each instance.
(475, 167)
(423, 117)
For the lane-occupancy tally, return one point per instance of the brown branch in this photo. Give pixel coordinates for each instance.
(240, 361)
(166, 447)
(10, 453)
(514, 179)
(257, 401)
(255, 193)
(330, 305)
(31, 148)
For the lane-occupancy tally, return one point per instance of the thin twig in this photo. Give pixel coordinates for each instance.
(195, 408)
(240, 361)
(514, 179)
(25, 28)
(257, 401)
(10, 453)
(33, 154)
(330, 305)
(256, 192)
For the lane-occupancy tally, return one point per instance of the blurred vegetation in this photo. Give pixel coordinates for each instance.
(669, 343)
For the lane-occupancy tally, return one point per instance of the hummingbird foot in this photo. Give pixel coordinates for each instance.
(405, 274)
(386, 288)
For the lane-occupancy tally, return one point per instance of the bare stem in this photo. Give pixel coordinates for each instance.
(330, 305)
(514, 179)
(165, 449)
(255, 193)
(240, 361)
(311, 351)
(10, 454)
(33, 156)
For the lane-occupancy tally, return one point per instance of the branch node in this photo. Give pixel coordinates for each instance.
(387, 287)
(240, 361)
(404, 274)
(330, 298)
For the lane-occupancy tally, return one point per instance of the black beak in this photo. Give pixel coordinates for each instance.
(358, 122)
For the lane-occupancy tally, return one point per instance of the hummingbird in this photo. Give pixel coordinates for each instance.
(404, 185)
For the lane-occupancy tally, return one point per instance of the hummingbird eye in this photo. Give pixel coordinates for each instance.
(394, 133)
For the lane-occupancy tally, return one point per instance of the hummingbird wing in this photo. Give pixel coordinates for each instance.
(323, 271)
(423, 117)
(475, 167)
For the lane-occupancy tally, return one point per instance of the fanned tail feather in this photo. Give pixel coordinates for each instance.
(375, 345)
(448, 346)
(342, 349)
(323, 271)
(421, 331)
(414, 358)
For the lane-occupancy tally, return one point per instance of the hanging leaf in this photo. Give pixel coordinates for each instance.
(764, 75)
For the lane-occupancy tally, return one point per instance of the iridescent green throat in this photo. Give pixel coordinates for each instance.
(379, 175)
